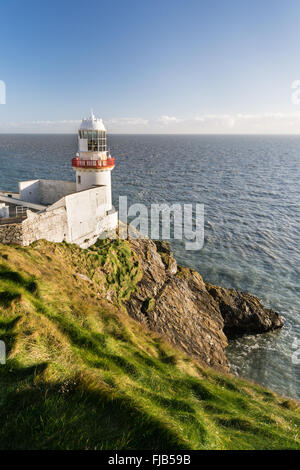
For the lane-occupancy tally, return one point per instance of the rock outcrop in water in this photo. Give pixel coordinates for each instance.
(243, 313)
(196, 316)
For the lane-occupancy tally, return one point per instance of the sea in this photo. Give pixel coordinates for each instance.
(249, 186)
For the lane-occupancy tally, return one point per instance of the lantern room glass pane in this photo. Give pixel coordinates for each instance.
(96, 141)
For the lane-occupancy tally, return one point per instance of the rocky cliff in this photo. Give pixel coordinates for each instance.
(195, 316)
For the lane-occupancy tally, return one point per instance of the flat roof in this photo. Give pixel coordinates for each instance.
(18, 202)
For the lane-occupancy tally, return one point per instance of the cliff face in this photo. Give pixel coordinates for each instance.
(195, 316)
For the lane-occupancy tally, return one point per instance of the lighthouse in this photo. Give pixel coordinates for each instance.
(93, 163)
(57, 210)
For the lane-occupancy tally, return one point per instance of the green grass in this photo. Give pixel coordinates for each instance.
(81, 374)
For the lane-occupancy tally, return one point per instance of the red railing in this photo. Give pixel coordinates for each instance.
(109, 163)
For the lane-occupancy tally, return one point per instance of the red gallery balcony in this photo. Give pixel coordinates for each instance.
(109, 163)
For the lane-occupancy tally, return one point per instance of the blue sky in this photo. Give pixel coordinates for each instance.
(150, 66)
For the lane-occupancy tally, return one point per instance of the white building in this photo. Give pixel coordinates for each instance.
(77, 212)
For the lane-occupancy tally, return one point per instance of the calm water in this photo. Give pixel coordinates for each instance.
(250, 188)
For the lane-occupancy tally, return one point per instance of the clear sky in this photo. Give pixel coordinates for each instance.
(150, 66)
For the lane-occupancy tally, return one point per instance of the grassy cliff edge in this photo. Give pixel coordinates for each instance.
(82, 374)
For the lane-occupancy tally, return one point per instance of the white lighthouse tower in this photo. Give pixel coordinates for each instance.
(93, 163)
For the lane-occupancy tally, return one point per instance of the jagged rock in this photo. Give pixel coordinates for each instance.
(164, 249)
(193, 315)
(181, 309)
(243, 313)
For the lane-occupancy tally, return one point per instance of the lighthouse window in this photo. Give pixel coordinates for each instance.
(84, 134)
(96, 141)
(79, 179)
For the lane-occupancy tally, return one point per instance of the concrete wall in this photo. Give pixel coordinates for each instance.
(77, 218)
(90, 178)
(108, 223)
(9, 194)
(52, 190)
(84, 210)
(30, 191)
(45, 192)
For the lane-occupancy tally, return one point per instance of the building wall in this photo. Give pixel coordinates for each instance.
(30, 191)
(45, 192)
(86, 154)
(90, 178)
(84, 210)
(108, 223)
(9, 194)
(49, 225)
(77, 218)
(52, 190)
